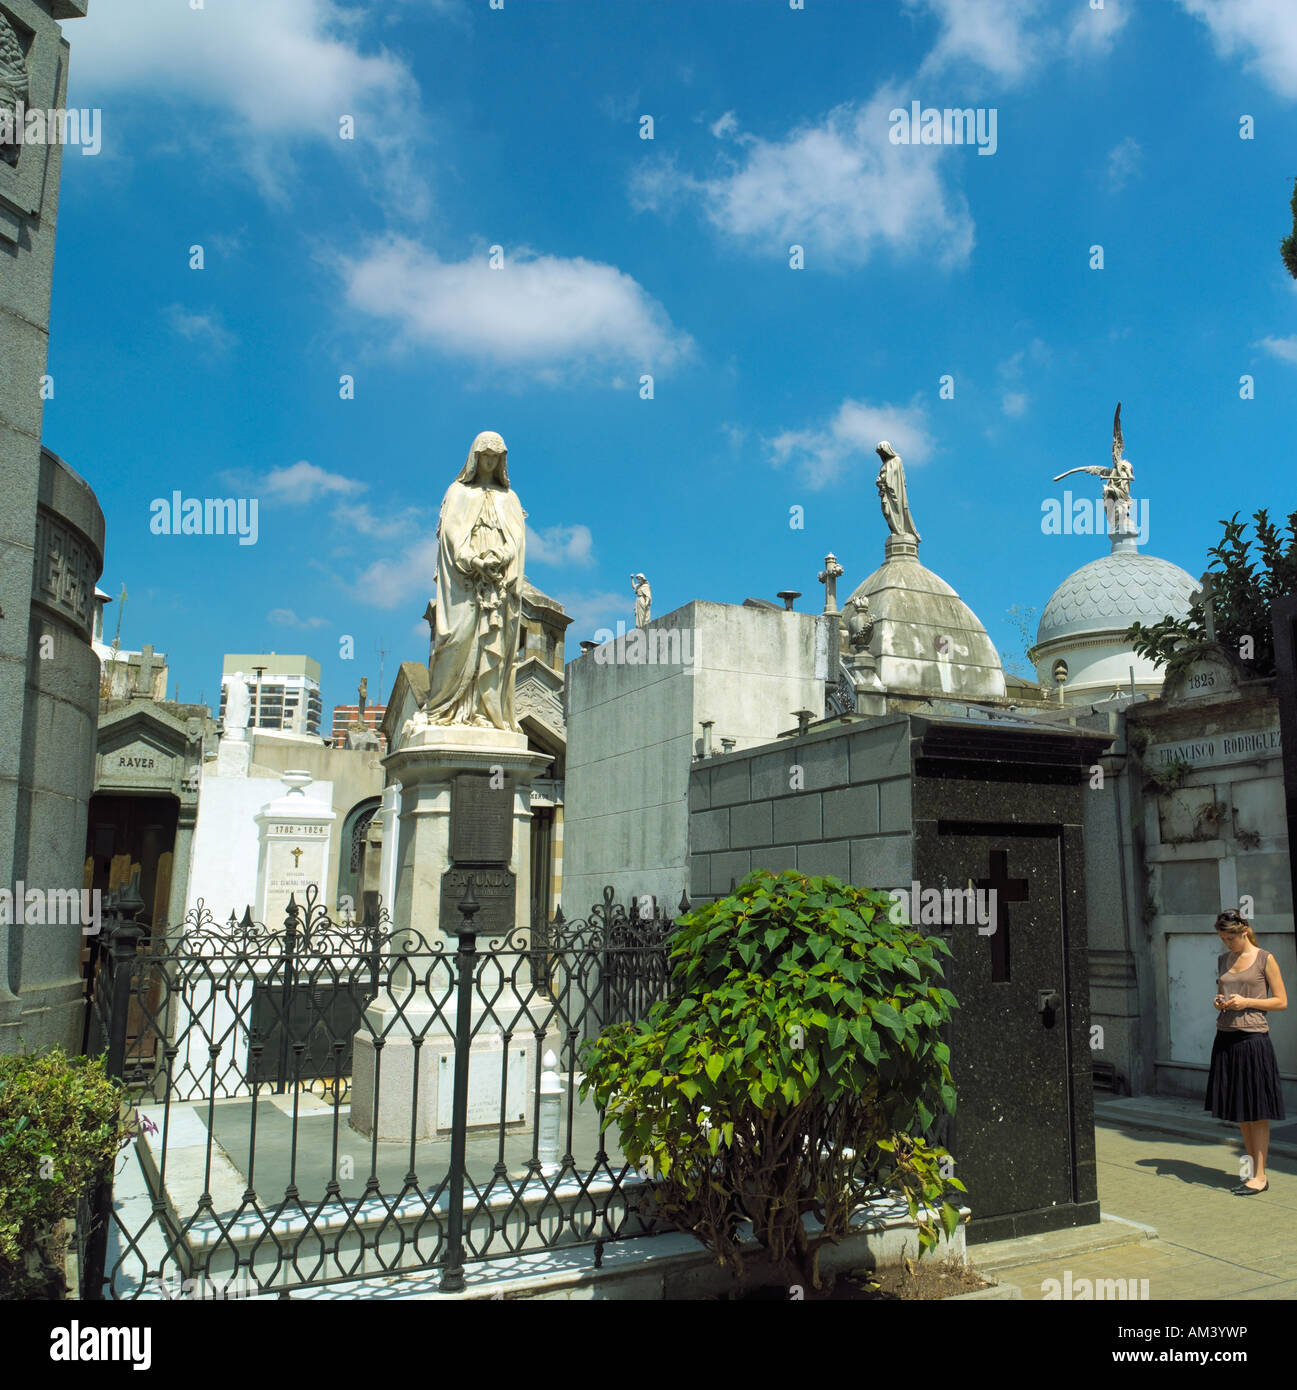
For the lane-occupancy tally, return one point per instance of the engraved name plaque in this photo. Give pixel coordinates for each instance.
(481, 821)
(493, 888)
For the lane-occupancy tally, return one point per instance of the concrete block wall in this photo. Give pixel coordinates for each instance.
(838, 801)
(634, 728)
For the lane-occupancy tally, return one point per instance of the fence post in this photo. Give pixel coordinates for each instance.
(123, 939)
(452, 1279)
(548, 1116)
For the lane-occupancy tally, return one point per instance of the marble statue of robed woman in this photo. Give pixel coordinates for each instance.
(482, 537)
(892, 495)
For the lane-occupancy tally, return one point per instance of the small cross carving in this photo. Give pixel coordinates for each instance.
(1007, 890)
(297, 856)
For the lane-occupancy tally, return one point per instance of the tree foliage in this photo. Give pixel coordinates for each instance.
(1244, 586)
(1288, 246)
(797, 1068)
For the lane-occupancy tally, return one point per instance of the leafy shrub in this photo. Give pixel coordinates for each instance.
(60, 1127)
(796, 1069)
(1244, 586)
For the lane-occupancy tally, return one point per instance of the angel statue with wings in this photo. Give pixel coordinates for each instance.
(1116, 481)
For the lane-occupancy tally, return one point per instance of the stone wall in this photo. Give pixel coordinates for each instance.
(634, 728)
(1215, 839)
(838, 802)
(39, 984)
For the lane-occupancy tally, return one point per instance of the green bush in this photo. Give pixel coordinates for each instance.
(60, 1127)
(796, 1069)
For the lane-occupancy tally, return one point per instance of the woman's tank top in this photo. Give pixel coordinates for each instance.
(1250, 984)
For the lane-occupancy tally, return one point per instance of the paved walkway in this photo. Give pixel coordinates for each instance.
(1165, 1164)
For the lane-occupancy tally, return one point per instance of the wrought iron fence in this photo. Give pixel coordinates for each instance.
(336, 1101)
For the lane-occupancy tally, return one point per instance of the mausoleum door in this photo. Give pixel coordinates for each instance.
(1011, 1136)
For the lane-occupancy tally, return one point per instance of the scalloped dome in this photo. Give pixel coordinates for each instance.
(1114, 591)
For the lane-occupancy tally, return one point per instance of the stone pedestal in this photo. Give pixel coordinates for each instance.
(414, 1014)
(233, 756)
(871, 698)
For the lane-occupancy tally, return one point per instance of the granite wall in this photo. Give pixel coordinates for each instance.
(835, 802)
(51, 553)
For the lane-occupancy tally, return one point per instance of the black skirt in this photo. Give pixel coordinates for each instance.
(1243, 1084)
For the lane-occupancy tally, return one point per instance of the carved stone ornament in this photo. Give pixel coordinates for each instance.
(860, 623)
(13, 90)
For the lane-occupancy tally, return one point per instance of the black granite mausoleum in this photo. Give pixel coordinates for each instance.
(951, 803)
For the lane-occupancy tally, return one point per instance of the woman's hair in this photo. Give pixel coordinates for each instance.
(1232, 918)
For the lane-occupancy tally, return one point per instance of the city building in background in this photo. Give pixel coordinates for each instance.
(345, 716)
(284, 690)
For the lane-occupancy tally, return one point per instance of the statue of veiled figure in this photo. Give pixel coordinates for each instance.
(481, 542)
(891, 494)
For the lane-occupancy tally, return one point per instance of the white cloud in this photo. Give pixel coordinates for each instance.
(1014, 403)
(1264, 32)
(990, 34)
(560, 545)
(591, 611)
(276, 71)
(285, 617)
(725, 125)
(1285, 349)
(204, 329)
(838, 187)
(303, 482)
(1124, 161)
(360, 518)
(411, 575)
(735, 435)
(545, 313)
(1036, 351)
(1094, 32)
(822, 454)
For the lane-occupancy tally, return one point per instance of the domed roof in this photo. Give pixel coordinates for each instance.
(1114, 591)
(926, 639)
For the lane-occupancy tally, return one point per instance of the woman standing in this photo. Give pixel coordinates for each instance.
(1243, 1084)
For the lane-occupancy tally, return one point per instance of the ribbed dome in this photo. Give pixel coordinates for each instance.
(1114, 591)
(926, 639)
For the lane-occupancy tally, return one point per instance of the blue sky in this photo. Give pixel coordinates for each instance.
(520, 128)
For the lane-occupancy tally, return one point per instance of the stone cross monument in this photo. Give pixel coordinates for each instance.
(829, 577)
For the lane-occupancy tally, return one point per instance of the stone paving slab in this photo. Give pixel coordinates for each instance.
(1209, 1244)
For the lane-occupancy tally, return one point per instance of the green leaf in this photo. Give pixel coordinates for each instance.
(949, 1219)
(715, 1065)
